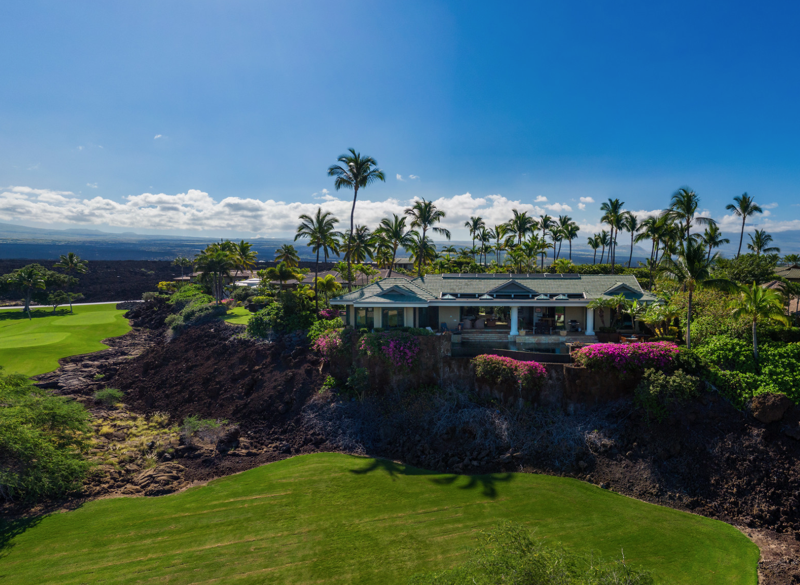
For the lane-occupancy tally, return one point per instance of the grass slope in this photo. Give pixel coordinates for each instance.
(238, 316)
(330, 518)
(34, 347)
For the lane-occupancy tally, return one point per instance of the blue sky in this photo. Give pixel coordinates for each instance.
(220, 118)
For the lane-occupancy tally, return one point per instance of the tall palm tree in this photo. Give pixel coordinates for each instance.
(791, 259)
(520, 225)
(320, 229)
(356, 172)
(288, 254)
(424, 214)
(545, 224)
(612, 215)
(692, 269)
(605, 241)
(27, 280)
(393, 230)
(360, 247)
(182, 262)
(327, 286)
(71, 263)
(712, 238)
(631, 224)
(557, 234)
(760, 242)
(282, 273)
(244, 257)
(500, 232)
(540, 245)
(215, 264)
(422, 249)
(485, 239)
(474, 225)
(758, 303)
(563, 222)
(570, 233)
(683, 210)
(594, 243)
(744, 208)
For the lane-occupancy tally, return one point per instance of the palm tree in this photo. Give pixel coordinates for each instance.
(27, 280)
(594, 243)
(243, 256)
(758, 303)
(215, 264)
(321, 233)
(712, 238)
(744, 208)
(545, 224)
(612, 215)
(422, 250)
(760, 242)
(500, 232)
(562, 266)
(424, 214)
(631, 224)
(357, 173)
(605, 240)
(287, 254)
(691, 269)
(683, 210)
(520, 225)
(485, 239)
(72, 263)
(394, 232)
(183, 262)
(360, 246)
(571, 233)
(281, 273)
(327, 286)
(557, 235)
(474, 225)
(791, 259)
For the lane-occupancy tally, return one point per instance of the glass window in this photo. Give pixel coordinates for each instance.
(560, 311)
(365, 319)
(392, 318)
(428, 317)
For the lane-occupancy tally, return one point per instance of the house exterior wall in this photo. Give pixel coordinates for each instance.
(408, 318)
(576, 313)
(450, 315)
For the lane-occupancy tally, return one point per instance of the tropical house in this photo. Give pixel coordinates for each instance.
(542, 304)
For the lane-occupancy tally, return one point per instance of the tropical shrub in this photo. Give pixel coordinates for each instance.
(167, 286)
(329, 344)
(108, 396)
(189, 294)
(292, 311)
(329, 314)
(658, 391)
(42, 441)
(319, 327)
(358, 382)
(397, 348)
(627, 358)
(511, 555)
(747, 268)
(711, 315)
(503, 370)
(241, 293)
(198, 312)
(204, 428)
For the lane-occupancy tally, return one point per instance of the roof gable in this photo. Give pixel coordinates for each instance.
(511, 287)
(622, 288)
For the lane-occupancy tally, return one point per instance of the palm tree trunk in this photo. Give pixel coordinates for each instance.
(741, 236)
(570, 250)
(391, 266)
(689, 323)
(630, 258)
(594, 260)
(316, 276)
(602, 253)
(350, 241)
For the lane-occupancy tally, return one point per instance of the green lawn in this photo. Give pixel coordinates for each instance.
(330, 518)
(238, 316)
(35, 346)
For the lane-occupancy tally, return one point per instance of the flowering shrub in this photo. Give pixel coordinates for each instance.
(329, 314)
(628, 358)
(329, 344)
(397, 348)
(319, 327)
(499, 369)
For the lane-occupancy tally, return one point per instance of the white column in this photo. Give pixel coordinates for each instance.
(589, 321)
(514, 320)
(408, 317)
(378, 317)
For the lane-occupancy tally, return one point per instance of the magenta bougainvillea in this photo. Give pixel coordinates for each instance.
(329, 344)
(499, 369)
(397, 348)
(328, 314)
(627, 358)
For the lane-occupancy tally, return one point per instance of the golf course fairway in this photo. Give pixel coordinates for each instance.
(34, 346)
(332, 518)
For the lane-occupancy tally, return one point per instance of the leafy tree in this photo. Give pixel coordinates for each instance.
(683, 210)
(747, 268)
(422, 250)
(72, 264)
(60, 297)
(570, 233)
(327, 286)
(631, 224)
(520, 225)
(744, 208)
(322, 236)
(759, 304)
(424, 214)
(32, 282)
(692, 268)
(282, 273)
(244, 257)
(791, 259)
(760, 242)
(356, 172)
(288, 255)
(182, 262)
(594, 243)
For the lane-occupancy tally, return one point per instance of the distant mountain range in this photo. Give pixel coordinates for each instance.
(43, 244)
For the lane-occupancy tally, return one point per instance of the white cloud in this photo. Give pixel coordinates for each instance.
(325, 195)
(157, 136)
(581, 206)
(558, 207)
(80, 148)
(399, 177)
(587, 200)
(770, 206)
(541, 199)
(412, 177)
(92, 185)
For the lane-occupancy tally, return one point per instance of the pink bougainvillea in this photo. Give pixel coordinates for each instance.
(328, 344)
(500, 369)
(628, 358)
(328, 314)
(398, 348)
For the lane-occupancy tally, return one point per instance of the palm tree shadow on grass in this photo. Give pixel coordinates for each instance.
(10, 529)
(391, 468)
(16, 314)
(487, 482)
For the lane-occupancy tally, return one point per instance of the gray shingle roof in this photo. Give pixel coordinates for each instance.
(434, 286)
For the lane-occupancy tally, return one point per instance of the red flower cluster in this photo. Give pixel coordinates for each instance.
(627, 358)
(499, 369)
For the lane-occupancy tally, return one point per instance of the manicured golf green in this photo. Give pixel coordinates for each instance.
(331, 518)
(238, 316)
(34, 346)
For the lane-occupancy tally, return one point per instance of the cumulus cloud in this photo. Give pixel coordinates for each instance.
(157, 136)
(770, 206)
(557, 207)
(587, 200)
(541, 199)
(92, 185)
(581, 206)
(399, 177)
(412, 177)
